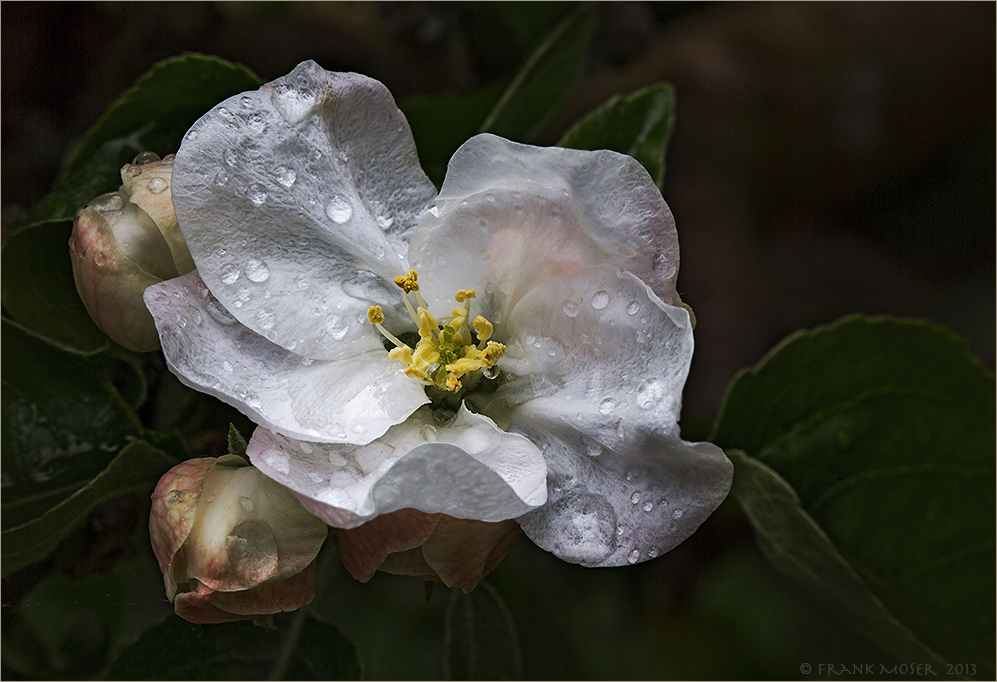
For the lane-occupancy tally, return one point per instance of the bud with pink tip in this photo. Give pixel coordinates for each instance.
(231, 543)
(125, 241)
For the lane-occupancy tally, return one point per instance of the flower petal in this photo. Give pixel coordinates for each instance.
(468, 469)
(365, 548)
(353, 399)
(614, 506)
(296, 202)
(511, 216)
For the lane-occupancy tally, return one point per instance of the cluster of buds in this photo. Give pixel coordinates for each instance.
(125, 241)
(231, 543)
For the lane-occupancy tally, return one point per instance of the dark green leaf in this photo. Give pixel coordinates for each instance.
(177, 650)
(138, 465)
(442, 123)
(547, 79)
(884, 429)
(154, 114)
(39, 291)
(236, 443)
(796, 545)
(62, 422)
(530, 21)
(480, 638)
(639, 124)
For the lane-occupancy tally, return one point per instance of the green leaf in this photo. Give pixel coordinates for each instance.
(176, 650)
(137, 466)
(639, 124)
(547, 79)
(236, 443)
(884, 431)
(62, 422)
(480, 638)
(153, 114)
(442, 123)
(39, 291)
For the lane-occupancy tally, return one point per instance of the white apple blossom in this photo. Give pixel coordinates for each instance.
(301, 204)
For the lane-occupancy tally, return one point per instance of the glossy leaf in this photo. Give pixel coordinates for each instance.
(39, 291)
(480, 637)
(137, 466)
(153, 114)
(546, 80)
(639, 124)
(884, 429)
(176, 650)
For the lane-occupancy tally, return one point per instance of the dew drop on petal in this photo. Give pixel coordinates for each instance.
(428, 433)
(607, 406)
(245, 504)
(385, 222)
(677, 514)
(229, 156)
(257, 270)
(339, 209)
(633, 556)
(227, 366)
(633, 308)
(359, 428)
(277, 461)
(570, 309)
(600, 300)
(305, 447)
(651, 553)
(99, 259)
(221, 178)
(635, 498)
(219, 314)
(133, 171)
(173, 497)
(650, 393)
(648, 506)
(145, 157)
(257, 124)
(158, 185)
(285, 176)
(257, 195)
(105, 203)
(663, 266)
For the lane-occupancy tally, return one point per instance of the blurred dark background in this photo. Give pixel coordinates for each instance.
(827, 159)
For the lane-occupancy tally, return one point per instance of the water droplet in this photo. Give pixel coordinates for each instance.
(359, 428)
(241, 391)
(593, 449)
(169, 159)
(256, 123)
(648, 506)
(229, 156)
(303, 283)
(677, 514)
(293, 105)
(633, 308)
(305, 447)
(277, 461)
(221, 178)
(630, 475)
(385, 222)
(619, 531)
(211, 498)
(635, 498)
(552, 351)
(650, 393)
(257, 195)
(306, 361)
(265, 319)
(196, 317)
(173, 497)
(339, 209)
(257, 270)
(338, 327)
(607, 406)
(227, 366)
(570, 309)
(246, 102)
(651, 553)
(133, 171)
(285, 176)
(99, 259)
(158, 185)
(600, 300)
(245, 504)
(191, 135)
(230, 274)
(633, 556)
(428, 433)
(106, 203)
(145, 157)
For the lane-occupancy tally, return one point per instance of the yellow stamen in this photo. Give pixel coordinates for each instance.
(492, 353)
(464, 295)
(484, 329)
(375, 314)
(408, 282)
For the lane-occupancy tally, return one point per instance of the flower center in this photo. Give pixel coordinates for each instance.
(446, 353)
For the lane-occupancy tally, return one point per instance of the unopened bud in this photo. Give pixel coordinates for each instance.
(125, 241)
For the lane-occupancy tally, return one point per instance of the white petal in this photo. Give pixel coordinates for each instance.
(511, 216)
(353, 399)
(297, 201)
(612, 507)
(596, 348)
(468, 469)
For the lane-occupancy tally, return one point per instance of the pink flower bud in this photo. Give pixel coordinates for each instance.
(434, 547)
(232, 543)
(123, 242)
